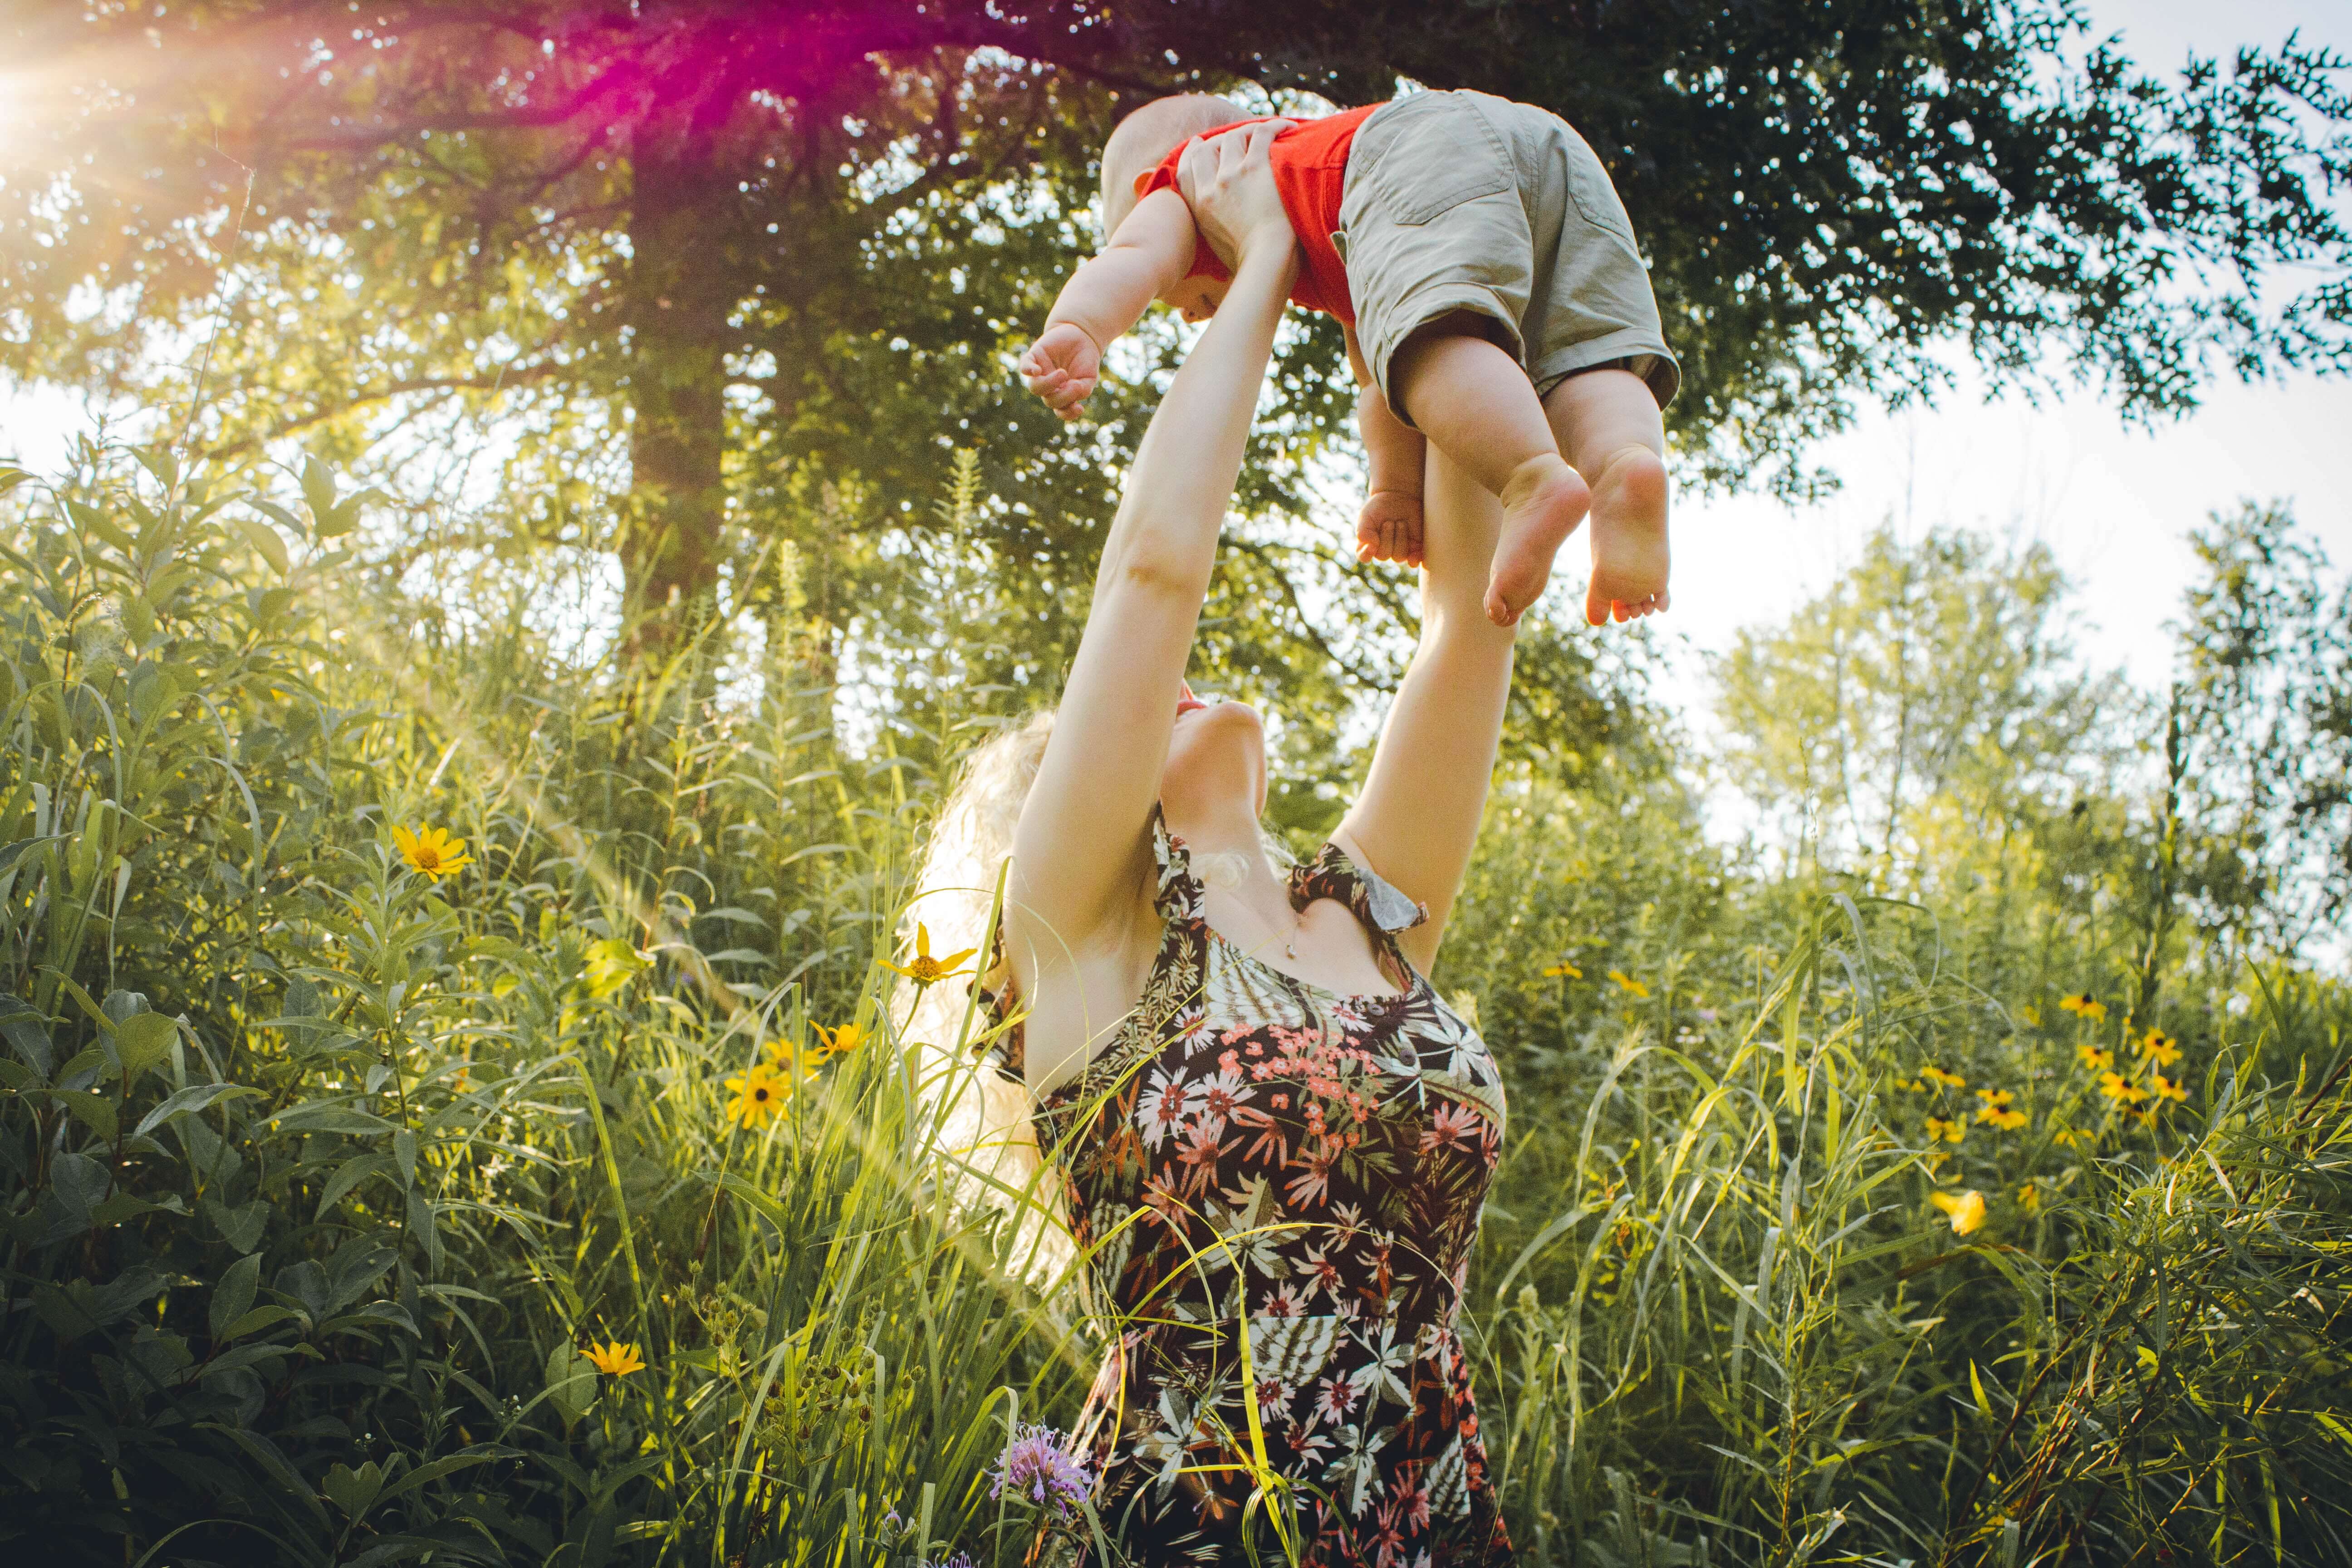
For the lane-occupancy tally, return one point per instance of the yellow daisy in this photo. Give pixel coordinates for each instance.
(2160, 1048)
(758, 1096)
(2121, 1089)
(1629, 983)
(2167, 1087)
(615, 1359)
(1563, 970)
(2093, 1057)
(1949, 1132)
(431, 850)
(1949, 1079)
(923, 969)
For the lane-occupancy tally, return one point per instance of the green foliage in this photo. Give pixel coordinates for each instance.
(327, 1182)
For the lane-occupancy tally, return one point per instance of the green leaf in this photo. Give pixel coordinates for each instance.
(355, 1491)
(480, 1454)
(11, 476)
(239, 1226)
(143, 1040)
(94, 1111)
(318, 492)
(570, 1383)
(267, 541)
(188, 1101)
(93, 521)
(354, 1171)
(258, 1320)
(233, 1297)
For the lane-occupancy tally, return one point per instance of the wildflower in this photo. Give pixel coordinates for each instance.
(1563, 970)
(1912, 1084)
(757, 1098)
(2167, 1087)
(1036, 1464)
(1629, 983)
(1995, 1110)
(1966, 1210)
(2121, 1089)
(611, 965)
(2032, 1014)
(923, 969)
(1949, 1079)
(2095, 1059)
(615, 1360)
(2071, 1137)
(432, 851)
(2084, 1006)
(2160, 1048)
(841, 1041)
(2029, 1198)
(1950, 1131)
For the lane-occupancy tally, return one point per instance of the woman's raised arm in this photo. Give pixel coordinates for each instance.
(1081, 847)
(1417, 819)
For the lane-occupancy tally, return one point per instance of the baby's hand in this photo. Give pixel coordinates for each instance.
(1061, 367)
(1388, 528)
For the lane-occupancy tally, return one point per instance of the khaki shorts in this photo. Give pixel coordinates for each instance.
(1458, 201)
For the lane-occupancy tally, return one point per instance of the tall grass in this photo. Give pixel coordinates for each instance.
(320, 1175)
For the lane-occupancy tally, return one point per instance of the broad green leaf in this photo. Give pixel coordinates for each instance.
(142, 1041)
(93, 1111)
(266, 540)
(355, 1491)
(571, 1381)
(188, 1100)
(233, 1297)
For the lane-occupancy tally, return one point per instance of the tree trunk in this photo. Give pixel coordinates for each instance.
(678, 303)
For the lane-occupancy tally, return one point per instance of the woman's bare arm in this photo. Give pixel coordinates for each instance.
(1081, 847)
(1417, 819)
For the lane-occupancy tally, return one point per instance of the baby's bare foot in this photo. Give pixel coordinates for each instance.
(1629, 538)
(1388, 528)
(1542, 503)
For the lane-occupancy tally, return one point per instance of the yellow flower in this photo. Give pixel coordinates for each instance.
(1912, 1084)
(2070, 1137)
(2116, 1086)
(1563, 969)
(1629, 983)
(1996, 1110)
(758, 1096)
(2093, 1057)
(1949, 1079)
(2083, 1005)
(2029, 1198)
(615, 1360)
(2032, 1014)
(841, 1041)
(2167, 1087)
(2160, 1048)
(923, 969)
(1966, 1210)
(431, 850)
(1950, 1131)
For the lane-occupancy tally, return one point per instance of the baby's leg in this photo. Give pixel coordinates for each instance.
(1470, 397)
(1608, 424)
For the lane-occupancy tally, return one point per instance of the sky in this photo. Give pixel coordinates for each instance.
(2116, 504)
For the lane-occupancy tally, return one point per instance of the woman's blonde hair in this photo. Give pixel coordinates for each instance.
(981, 1113)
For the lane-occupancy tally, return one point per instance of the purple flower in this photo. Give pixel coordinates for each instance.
(1037, 1465)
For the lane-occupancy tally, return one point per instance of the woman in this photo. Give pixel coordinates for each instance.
(1260, 1112)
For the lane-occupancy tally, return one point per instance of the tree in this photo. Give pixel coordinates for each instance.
(1934, 676)
(689, 261)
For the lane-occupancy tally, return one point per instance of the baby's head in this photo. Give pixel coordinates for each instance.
(1150, 134)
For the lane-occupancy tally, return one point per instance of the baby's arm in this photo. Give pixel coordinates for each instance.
(1150, 254)
(1388, 528)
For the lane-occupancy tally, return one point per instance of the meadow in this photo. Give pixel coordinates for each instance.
(1958, 1176)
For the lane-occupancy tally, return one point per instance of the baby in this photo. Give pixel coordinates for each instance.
(1484, 269)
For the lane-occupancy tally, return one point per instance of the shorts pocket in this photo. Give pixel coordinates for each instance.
(1441, 151)
(1589, 187)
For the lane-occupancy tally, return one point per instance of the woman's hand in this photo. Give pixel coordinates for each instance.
(1228, 181)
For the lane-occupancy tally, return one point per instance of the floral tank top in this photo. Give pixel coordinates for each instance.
(1278, 1188)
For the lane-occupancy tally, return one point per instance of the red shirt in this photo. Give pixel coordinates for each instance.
(1310, 169)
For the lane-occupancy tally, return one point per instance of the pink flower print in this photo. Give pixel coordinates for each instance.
(1198, 1154)
(1313, 1184)
(1454, 1127)
(1412, 1498)
(1220, 1097)
(1273, 1398)
(1286, 1302)
(1345, 1221)
(1327, 1273)
(1163, 1106)
(1334, 1399)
